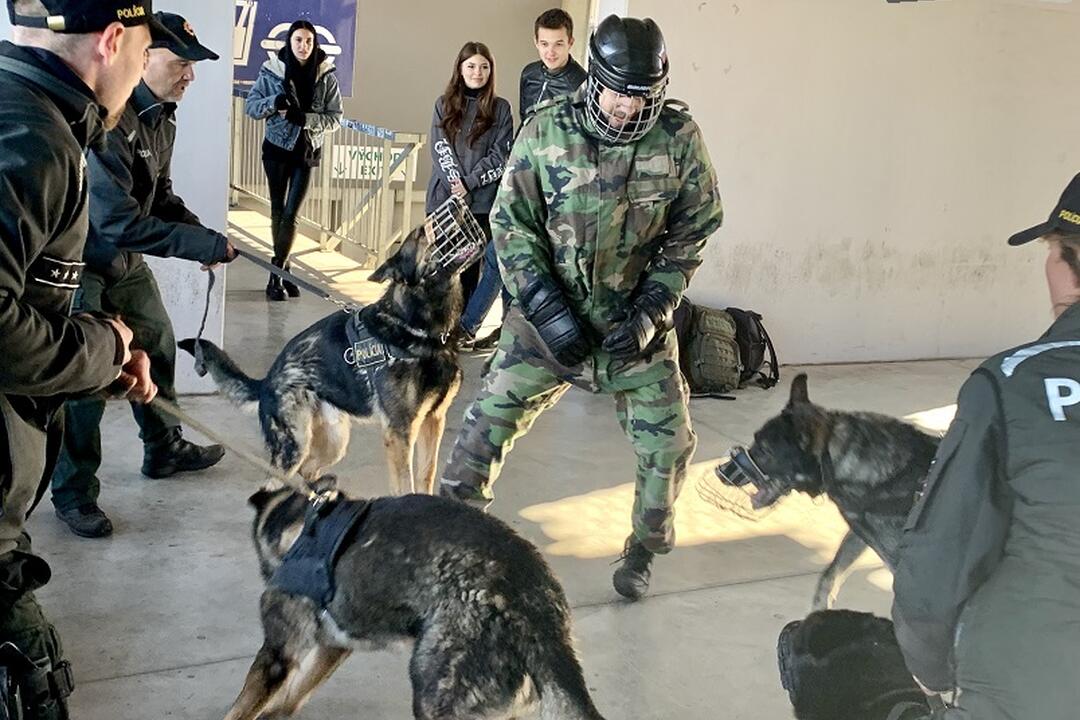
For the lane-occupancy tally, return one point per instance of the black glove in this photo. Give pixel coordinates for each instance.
(281, 102)
(296, 116)
(650, 317)
(544, 307)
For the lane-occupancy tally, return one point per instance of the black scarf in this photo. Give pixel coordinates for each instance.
(301, 78)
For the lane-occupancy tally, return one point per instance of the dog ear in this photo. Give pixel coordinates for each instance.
(799, 392)
(812, 425)
(401, 267)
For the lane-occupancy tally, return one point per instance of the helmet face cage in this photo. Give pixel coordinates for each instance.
(633, 128)
(457, 239)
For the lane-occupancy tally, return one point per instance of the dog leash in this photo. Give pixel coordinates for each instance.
(345, 303)
(315, 498)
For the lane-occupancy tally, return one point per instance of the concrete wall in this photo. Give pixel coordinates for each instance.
(200, 174)
(873, 158)
(405, 51)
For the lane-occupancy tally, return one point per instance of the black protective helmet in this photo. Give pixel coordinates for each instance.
(628, 56)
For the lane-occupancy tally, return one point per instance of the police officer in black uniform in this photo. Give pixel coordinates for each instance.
(73, 65)
(133, 210)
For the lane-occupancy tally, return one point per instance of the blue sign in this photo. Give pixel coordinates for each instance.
(261, 27)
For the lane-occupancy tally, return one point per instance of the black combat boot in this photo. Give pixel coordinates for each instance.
(86, 521)
(631, 579)
(174, 454)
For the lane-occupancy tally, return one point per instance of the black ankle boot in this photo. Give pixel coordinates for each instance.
(631, 579)
(275, 289)
(290, 287)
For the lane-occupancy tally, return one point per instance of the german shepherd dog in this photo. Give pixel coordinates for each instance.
(844, 665)
(870, 465)
(489, 623)
(311, 394)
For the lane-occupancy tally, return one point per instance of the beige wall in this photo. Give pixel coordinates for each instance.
(405, 50)
(873, 158)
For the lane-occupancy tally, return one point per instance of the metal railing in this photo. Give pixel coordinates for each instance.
(352, 194)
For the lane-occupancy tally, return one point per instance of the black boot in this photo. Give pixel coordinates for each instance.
(174, 454)
(631, 579)
(274, 288)
(86, 521)
(290, 287)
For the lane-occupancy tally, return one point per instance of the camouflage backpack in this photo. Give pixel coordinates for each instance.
(723, 350)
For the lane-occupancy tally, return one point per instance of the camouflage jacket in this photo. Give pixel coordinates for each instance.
(600, 219)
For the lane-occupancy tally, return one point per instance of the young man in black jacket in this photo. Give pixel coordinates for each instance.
(555, 73)
(65, 78)
(133, 210)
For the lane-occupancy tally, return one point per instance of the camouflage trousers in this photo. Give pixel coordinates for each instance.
(520, 384)
(22, 622)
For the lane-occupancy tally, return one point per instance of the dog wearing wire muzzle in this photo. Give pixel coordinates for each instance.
(393, 360)
(871, 466)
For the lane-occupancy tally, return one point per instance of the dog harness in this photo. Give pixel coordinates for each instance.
(365, 353)
(308, 567)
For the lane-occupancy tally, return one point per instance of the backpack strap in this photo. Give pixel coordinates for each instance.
(774, 365)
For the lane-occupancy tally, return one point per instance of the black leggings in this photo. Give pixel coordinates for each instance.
(288, 186)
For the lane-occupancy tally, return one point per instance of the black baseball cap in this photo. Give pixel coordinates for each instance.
(86, 16)
(184, 42)
(1065, 218)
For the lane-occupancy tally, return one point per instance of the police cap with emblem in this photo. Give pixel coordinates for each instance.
(1064, 219)
(184, 42)
(87, 16)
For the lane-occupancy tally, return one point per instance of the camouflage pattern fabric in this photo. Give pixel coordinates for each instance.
(523, 380)
(602, 219)
(599, 220)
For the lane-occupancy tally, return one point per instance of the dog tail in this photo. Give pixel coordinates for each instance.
(563, 692)
(230, 379)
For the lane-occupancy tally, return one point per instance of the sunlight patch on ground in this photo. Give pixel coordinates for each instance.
(881, 578)
(935, 420)
(250, 230)
(594, 524)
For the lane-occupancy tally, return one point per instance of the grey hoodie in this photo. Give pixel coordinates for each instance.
(479, 165)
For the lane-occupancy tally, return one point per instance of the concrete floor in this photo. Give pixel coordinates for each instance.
(160, 620)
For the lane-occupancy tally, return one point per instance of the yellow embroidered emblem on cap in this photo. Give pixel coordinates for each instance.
(129, 13)
(1070, 216)
(188, 29)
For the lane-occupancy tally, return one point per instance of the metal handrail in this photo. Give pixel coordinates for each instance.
(351, 196)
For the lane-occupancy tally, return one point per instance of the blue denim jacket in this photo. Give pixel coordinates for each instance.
(325, 115)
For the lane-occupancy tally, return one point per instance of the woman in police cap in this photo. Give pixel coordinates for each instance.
(987, 606)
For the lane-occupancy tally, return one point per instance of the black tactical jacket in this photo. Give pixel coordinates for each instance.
(46, 122)
(991, 550)
(539, 84)
(132, 204)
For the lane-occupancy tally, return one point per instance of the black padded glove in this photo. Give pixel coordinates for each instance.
(544, 307)
(281, 102)
(650, 317)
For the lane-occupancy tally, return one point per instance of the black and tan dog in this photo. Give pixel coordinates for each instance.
(489, 623)
(870, 465)
(843, 665)
(402, 370)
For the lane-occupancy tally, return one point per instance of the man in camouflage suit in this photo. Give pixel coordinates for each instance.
(605, 206)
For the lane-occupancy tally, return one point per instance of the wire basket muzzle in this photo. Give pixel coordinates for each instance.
(457, 238)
